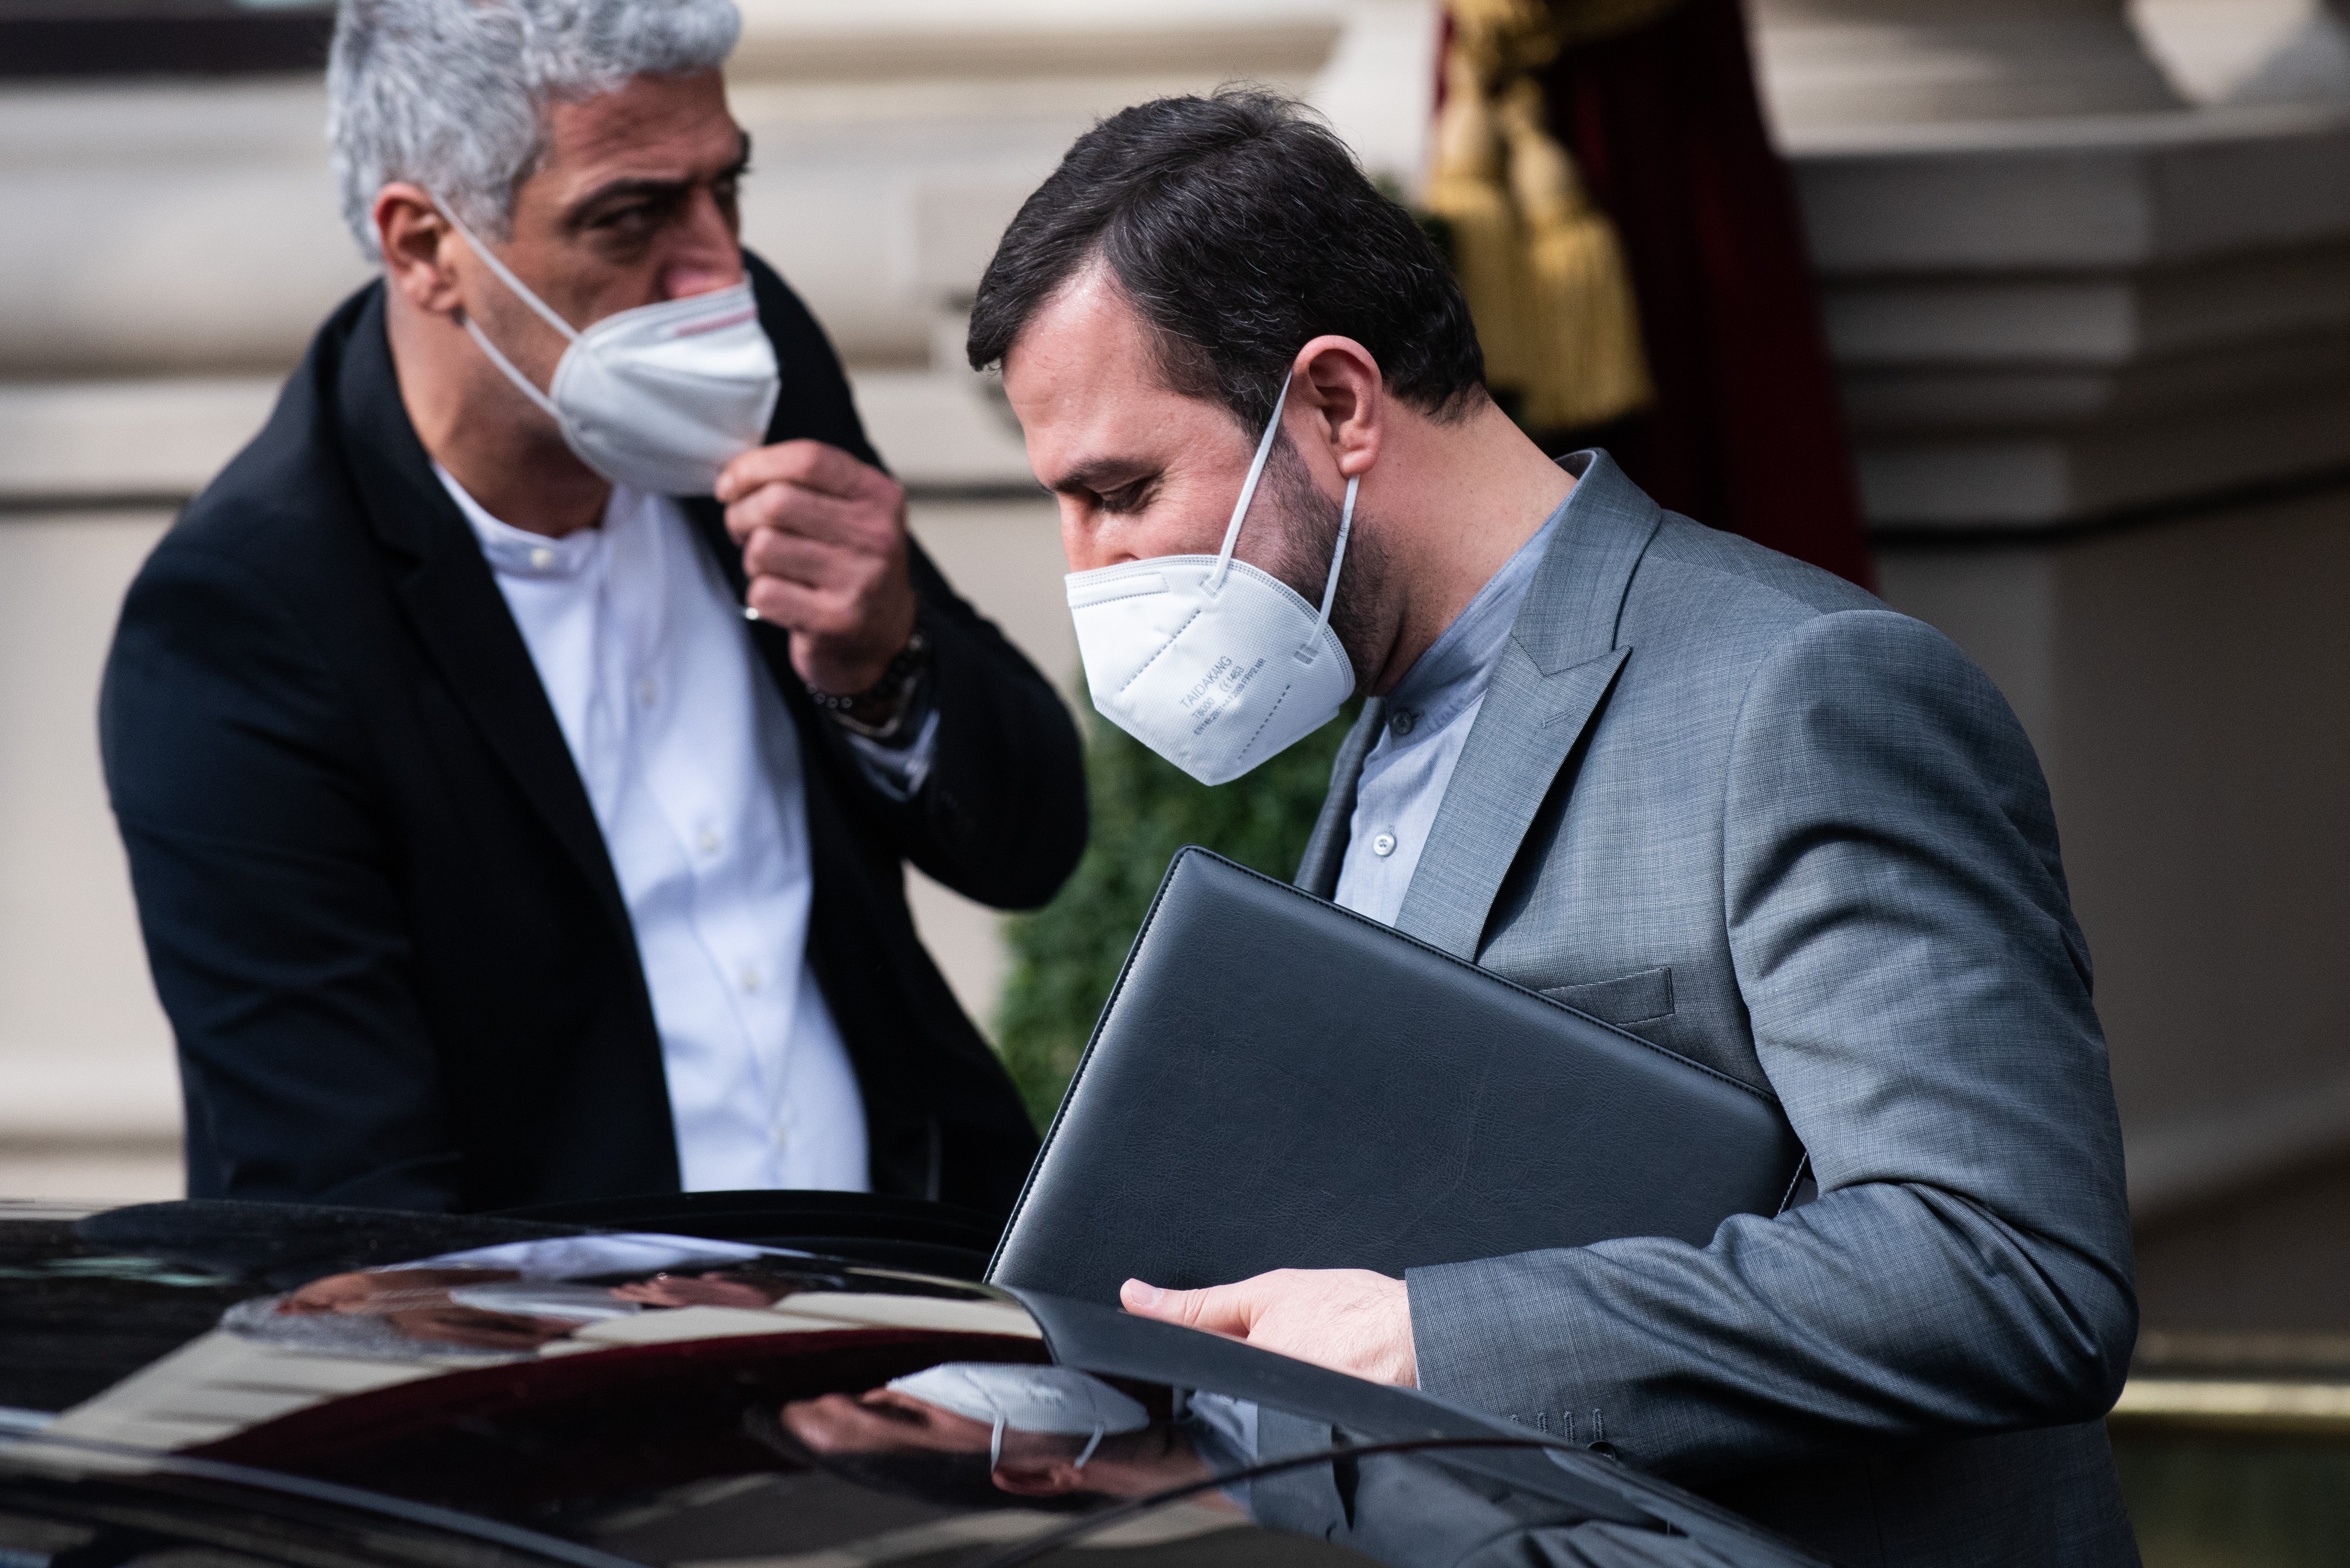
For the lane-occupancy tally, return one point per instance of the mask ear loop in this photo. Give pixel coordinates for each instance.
(473, 330)
(1093, 1443)
(1248, 490)
(1330, 585)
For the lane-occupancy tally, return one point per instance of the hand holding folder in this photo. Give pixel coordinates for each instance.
(1279, 1082)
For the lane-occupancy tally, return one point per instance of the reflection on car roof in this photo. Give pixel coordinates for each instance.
(694, 1403)
(219, 1385)
(223, 1383)
(810, 1313)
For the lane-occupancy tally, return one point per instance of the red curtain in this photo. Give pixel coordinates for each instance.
(1746, 432)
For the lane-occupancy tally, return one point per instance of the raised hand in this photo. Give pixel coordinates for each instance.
(824, 544)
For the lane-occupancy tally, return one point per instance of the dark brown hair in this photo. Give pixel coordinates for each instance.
(1241, 229)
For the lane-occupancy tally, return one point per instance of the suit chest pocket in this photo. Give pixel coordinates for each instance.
(1641, 997)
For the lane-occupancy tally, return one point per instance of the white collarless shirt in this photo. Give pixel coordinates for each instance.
(1429, 716)
(692, 765)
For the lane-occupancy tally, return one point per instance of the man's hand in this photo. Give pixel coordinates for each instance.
(1348, 1319)
(824, 544)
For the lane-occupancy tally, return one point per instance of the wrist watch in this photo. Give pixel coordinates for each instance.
(880, 711)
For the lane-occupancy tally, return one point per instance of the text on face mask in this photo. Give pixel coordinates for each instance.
(1200, 689)
(1224, 688)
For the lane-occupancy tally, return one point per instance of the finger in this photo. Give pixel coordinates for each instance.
(817, 562)
(863, 524)
(811, 464)
(1218, 1309)
(811, 612)
(796, 509)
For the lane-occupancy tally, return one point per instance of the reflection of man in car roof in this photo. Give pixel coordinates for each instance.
(515, 1298)
(979, 1434)
(398, 1315)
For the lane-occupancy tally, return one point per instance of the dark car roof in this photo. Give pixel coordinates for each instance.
(581, 1393)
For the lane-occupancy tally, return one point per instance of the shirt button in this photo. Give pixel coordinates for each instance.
(710, 841)
(1383, 845)
(647, 691)
(542, 557)
(750, 979)
(1402, 724)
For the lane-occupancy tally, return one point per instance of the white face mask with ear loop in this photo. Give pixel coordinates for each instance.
(1058, 1400)
(1212, 663)
(659, 397)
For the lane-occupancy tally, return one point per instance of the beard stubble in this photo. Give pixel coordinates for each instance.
(1299, 527)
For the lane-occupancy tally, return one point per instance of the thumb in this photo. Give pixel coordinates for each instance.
(733, 483)
(1220, 1309)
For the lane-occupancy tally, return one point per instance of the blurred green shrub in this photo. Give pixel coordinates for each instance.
(1065, 956)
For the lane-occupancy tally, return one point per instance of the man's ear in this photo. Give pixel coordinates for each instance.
(1342, 384)
(1038, 1478)
(416, 242)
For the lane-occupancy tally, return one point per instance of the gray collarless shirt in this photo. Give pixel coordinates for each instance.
(1428, 715)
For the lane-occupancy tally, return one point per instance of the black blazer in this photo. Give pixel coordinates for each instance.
(376, 901)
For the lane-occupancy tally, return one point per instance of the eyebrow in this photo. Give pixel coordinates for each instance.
(1100, 475)
(638, 187)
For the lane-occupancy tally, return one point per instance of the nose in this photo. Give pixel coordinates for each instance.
(1089, 543)
(1078, 541)
(704, 253)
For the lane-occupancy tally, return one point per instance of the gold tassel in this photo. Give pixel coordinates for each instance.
(1469, 190)
(1581, 321)
(1540, 265)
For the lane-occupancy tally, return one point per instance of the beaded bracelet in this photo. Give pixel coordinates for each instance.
(898, 679)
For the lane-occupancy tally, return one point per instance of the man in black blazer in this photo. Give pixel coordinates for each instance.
(370, 786)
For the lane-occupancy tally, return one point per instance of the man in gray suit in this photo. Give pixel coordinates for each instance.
(1707, 792)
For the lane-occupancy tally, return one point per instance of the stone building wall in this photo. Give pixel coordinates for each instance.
(2093, 320)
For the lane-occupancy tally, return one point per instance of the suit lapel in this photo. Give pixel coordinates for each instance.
(454, 602)
(1557, 669)
(1523, 734)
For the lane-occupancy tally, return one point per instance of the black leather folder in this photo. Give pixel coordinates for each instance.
(1279, 1082)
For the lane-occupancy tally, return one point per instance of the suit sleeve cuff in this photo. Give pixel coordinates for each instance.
(1497, 1334)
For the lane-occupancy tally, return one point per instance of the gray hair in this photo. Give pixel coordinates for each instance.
(361, 1335)
(453, 94)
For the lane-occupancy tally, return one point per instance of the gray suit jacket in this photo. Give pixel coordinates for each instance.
(1739, 808)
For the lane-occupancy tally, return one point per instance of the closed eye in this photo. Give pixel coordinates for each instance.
(1134, 497)
(650, 215)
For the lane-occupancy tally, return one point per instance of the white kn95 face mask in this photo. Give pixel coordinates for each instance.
(1209, 661)
(661, 397)
(1058, 1400)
